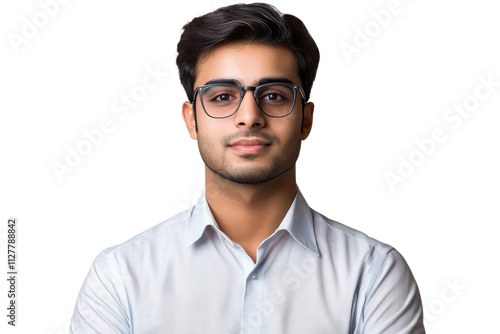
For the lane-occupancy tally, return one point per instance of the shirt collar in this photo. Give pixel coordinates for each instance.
(201, 217)
(298, 221)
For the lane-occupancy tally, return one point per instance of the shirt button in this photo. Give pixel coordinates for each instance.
(255, 276)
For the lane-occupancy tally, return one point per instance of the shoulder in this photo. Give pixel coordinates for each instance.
(168, 233)
(356, 254)
(340, 236)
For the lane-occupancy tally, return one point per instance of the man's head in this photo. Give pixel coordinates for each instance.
(248, 72)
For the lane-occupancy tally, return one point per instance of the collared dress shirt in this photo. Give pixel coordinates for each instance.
(311, 276)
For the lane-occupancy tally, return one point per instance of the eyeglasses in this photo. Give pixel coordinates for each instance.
(275, 99)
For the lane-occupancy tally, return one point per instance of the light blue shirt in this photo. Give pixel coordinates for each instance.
(311, 276)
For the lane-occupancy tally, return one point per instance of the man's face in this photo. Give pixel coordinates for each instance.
(248, 147)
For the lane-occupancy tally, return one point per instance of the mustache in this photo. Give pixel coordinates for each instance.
(249, 134)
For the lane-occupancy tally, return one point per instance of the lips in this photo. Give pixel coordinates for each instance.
(249, 145)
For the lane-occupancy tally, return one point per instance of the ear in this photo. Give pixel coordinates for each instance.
(308, 120)
(189, 119)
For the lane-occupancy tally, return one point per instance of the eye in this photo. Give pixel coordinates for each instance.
(222, 98)
(220, 94)
(272, 97)
(275, 94)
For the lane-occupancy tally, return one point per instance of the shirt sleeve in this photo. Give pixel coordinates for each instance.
(100, 303)
(392, 301)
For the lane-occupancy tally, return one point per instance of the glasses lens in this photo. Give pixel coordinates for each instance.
(276, 100)
(220, 100)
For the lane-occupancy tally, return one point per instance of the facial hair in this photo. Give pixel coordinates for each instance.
(281, 163)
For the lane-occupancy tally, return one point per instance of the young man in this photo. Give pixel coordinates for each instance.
(250, 256)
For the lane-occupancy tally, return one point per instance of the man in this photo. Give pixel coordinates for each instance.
(250, 256)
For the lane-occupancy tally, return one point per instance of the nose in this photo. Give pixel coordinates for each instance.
(249, 114)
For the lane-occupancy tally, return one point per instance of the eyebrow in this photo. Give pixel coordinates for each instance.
(236, 82)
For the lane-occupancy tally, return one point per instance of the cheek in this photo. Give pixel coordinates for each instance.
(211, 130)
(287, 128)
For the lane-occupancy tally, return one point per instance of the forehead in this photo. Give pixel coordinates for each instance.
(247, 63)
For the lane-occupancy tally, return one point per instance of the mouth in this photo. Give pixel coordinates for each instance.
(249, 145)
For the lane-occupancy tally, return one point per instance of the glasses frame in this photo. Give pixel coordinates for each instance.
(242, 89)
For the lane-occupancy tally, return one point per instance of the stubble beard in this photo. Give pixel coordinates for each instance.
(279, 165)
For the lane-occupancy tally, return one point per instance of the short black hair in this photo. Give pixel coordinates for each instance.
(257, 23)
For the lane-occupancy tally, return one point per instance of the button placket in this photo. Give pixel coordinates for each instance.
(251, 317)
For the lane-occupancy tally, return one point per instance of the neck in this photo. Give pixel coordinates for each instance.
(249, 213)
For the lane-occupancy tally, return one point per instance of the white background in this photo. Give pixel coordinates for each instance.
(64, 79)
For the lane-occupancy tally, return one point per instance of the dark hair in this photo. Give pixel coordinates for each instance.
(258, 22)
